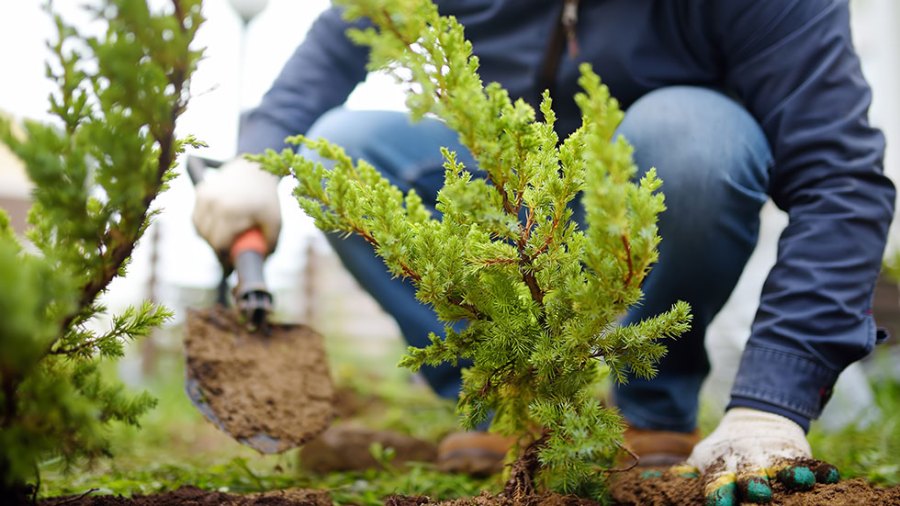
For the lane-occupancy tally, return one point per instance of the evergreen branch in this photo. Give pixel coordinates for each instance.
(124, 242)
(442, 94)
(526, 267)
(498, 261)
(166, 158)
(131, 324)
(488, 382)
(95, 178)
(82, 347)
(634, 462)
(526, 230)
(369, 238)
(473, 311)
(507, 205)
(533, 288)
(627, 245)
(409, 272)
(554, 225)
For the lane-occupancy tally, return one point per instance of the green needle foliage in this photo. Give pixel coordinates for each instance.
(96, 171)
(541, 295)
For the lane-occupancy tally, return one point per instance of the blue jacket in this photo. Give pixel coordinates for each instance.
(791, 63)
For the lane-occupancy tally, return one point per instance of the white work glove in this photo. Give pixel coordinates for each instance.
(237, 197)
(748, 448)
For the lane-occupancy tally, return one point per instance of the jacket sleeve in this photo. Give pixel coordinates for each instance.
(793, 65)
(318, 77)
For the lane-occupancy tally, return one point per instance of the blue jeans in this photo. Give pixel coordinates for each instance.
(714, 162)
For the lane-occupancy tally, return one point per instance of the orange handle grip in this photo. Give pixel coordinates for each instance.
(251, 240)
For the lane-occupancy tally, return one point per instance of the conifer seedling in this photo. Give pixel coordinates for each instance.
(96, 170)
(541, 295)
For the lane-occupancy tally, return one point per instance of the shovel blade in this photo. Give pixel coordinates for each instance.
(271, 392)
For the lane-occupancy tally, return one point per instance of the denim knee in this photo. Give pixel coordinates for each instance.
(351, 130)
(702, 143)
(714, 161)
(406, 153)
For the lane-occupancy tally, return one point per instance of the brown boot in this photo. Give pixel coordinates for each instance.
(474, 453)
(347, 447)
(659, 447)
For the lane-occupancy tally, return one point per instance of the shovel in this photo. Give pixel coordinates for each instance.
(265, 384)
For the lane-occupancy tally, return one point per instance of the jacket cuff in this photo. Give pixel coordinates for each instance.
(742, 402)
(783, 383)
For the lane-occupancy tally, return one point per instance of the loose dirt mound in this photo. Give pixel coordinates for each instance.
(489, 500)
(273, 392)
(196, 497)
(630, 489)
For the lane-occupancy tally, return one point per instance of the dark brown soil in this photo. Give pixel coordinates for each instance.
(271, 391)
(297, 497)
(490, 500)
(196, 497)
(631, 489)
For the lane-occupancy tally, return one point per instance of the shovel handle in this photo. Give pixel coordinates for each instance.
(248, 254)
(251, 240)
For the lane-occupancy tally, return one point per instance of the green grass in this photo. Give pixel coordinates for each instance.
(871, 452)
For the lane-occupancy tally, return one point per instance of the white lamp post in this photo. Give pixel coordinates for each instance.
(248, 9)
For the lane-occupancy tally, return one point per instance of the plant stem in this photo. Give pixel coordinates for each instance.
(521, 481)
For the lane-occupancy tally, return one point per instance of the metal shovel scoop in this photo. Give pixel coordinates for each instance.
(271, 392)
(267, 385)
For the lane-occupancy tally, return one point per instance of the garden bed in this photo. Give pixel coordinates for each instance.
(319, 480)
(631, 489)
(634, 489)
(195, 496)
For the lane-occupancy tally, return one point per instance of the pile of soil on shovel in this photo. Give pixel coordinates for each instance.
(275, 383)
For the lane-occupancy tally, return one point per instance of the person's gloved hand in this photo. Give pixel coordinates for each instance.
(237, 197)
(747, 449)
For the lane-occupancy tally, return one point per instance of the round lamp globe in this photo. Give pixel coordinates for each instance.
(248, 9)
